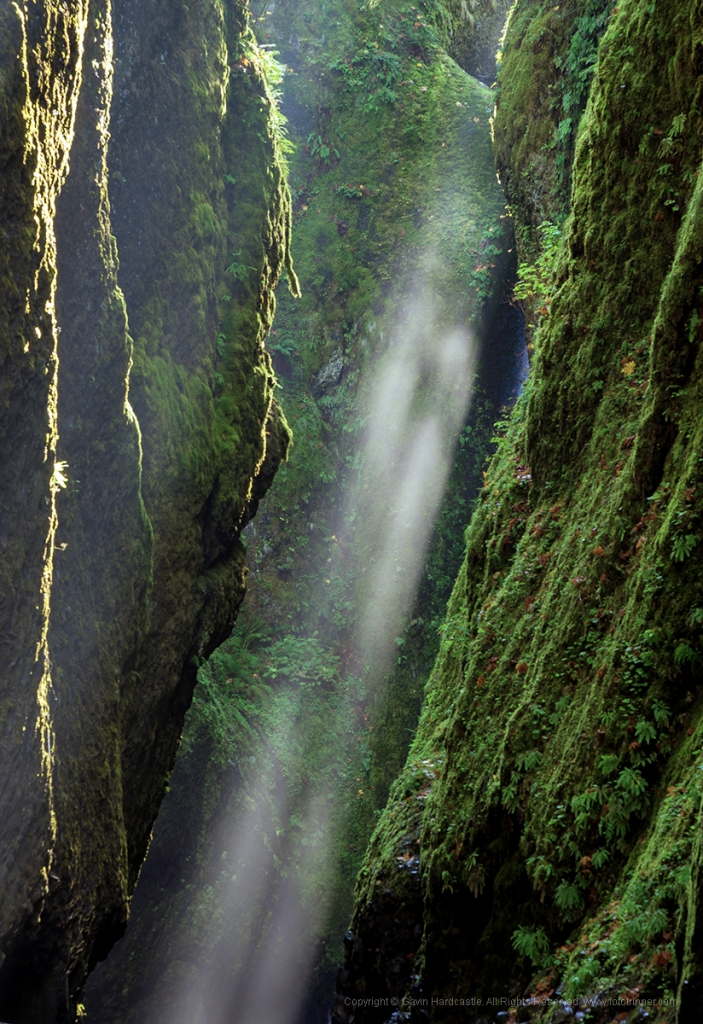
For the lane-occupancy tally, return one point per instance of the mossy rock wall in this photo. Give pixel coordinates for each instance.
(474, 29)
(542, 844)
(546, 67)
(137, 430)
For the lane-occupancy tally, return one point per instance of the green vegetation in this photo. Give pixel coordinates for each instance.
(275, 724)
(363, 229)
(577, 68)
(371, 75)
(265, 705)
(546, 65)
(138, 290)
(564, 706)
(535, 280)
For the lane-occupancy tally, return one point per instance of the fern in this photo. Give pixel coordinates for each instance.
(682, 547)
(532, 943)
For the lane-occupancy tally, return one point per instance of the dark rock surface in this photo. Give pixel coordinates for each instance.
(137, 434)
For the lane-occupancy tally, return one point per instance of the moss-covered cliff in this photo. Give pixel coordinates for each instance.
(547, 63)
(542, 844)
(137, 432)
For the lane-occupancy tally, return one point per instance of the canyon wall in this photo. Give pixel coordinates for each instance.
(542, 845)
(145, 222)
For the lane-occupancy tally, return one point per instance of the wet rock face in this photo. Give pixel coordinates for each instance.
(137, 434)
(476, 28)
(381, 948)
(358, 250)
(548, 58)
(538, 876)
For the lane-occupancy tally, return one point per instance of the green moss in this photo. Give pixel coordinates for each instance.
(107, 614)
(475, 27)
(269, 715)
(563, 709)
(211, 423)
(546, 66)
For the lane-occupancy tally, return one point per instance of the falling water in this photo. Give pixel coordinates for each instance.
(249, 933)
(267, 919)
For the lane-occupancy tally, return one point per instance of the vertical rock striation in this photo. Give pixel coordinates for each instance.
(407, 185)
(137, 433)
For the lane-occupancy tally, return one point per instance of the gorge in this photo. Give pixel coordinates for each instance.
(510, 779)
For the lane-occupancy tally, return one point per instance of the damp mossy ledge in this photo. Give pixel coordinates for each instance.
(552, 796)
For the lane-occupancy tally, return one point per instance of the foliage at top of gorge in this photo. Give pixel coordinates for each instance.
(550, 804)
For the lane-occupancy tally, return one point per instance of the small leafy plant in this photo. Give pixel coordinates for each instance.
(371, 75)
(283, 346)
(682, 547)
(354, 191)
(685, 655)
(532, 943)
(239, 271)
(320, 150)
(533, 290)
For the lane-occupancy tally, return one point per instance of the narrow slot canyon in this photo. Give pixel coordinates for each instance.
(349, 407)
